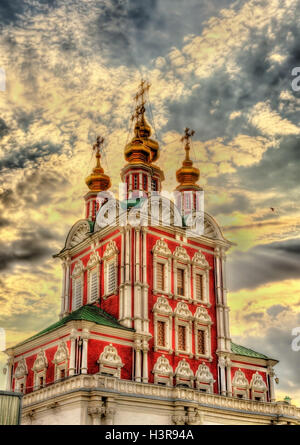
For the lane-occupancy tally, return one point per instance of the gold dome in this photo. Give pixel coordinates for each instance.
(98, 181)
(187, 175)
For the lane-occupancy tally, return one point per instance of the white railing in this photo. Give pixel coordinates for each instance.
(96, 381)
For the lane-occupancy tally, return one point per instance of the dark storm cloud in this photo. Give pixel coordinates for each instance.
(4, 130)
(31, 246)
(276, 309)
(132, 32)
(13, 11)
(236, 202)
(264, 264)
(278, 170)
(17, 159)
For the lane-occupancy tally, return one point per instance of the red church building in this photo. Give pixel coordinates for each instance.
(143, 335)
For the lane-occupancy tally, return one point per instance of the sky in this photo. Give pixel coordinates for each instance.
(223, 68)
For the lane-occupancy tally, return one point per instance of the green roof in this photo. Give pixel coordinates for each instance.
(89, 313)
(241, 350)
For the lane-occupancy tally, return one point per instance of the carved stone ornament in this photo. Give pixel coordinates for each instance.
(183, 370)
(93, 260)
(161, 248)
(239, 380)
(181, 254)
(162, 306)
(110, 362)
(81, 232)
(200, 260)
(257, 383)
(41, 362)
(203, 374)
(162, 366)
(62, 353)
(21, 369)
(183, 311)
(202, 316)
(111, 249)
(78, 269)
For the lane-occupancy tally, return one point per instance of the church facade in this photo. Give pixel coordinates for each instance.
(143, 335)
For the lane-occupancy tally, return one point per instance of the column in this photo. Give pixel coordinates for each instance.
(10, 363)
(72, 366)
(85, 338)
(228, 376)
(219, 303)
(127, 285)
(63, 291)
(271, 378)
(145, 360)
(138, 346)
(224, 295)
(67, 287)
(137, 283)
(222, 376)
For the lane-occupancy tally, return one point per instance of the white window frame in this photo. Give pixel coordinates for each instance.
(40, 369)
(183, 317)
(77, 277)
(202, 321)
(200, 266)
(20, 375)
(20, 381)
(182, 261)
(163, 312)
(240, 388)
(37, 376)
(163, 255)
(110, 257)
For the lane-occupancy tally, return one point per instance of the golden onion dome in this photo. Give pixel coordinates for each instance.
(98, 181)
(142, 148)
(187, 175)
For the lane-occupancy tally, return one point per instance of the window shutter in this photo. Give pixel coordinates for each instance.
(77, 294)
(181, 338)
(160, 276)
(161, 333)
(111, 276)
(93, 285)
(180, 281)
(199, 286)
(201, 342)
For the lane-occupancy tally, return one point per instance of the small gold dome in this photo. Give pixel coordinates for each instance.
(187, 175)
(98, 181)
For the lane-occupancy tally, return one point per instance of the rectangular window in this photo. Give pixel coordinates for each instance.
(145, 182)
(160, 276)
(135, 182)
(111, 278)
(22, 387)
(181, 338)
(77, 293)
(161, 333)
(199, 286)
(93, 285)
(41, 382)
(154, 185)
(201, 342)
(180, 281)
(62, 373)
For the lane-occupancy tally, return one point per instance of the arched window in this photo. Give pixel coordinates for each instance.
(184, 375)
(77, 286)
(240, 385)
(183, 330)
(110, 268)
(162, 325)
(40, 369)
(162, 267)
(61, 361)
(204, 379)
(202, 324)
(163, 371)
(200, 272)
(93, 277)
(110, 362)
(21, 376)
(182, 273)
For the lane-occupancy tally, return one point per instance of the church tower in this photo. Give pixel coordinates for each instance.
(143, 334)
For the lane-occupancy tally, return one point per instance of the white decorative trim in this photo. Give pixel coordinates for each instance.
(21, 369)
(111, 249)
(181, 254)
(60, 360)
(161, 248)
(202, 316)
(258, 387)
(110, 362)
(184, 375)
(183, 317)
(182, 261)
(240, 384)
(204, 378)
(163, 255)
(200, 260)
(163, 312)
(163, 371)
(110, 257)
(39, 368)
